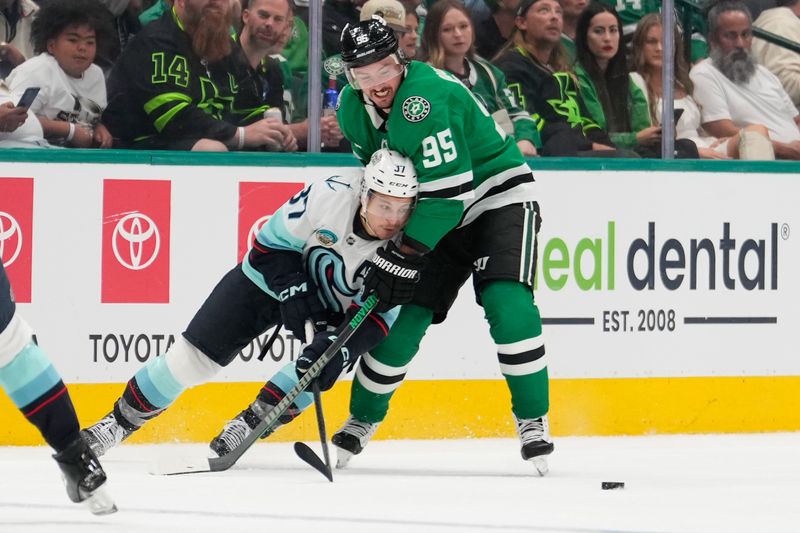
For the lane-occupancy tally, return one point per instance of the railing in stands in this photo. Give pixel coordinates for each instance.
(687, 8)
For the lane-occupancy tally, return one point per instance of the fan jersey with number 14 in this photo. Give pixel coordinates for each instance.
(465, 163)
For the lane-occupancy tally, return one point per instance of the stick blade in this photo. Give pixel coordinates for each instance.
(308, 455)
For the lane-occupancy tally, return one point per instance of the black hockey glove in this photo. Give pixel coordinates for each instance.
(331, 371)
(299, 302)
(393, 276)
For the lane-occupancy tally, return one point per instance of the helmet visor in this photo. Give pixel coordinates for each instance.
(362, 78)
(389, 210)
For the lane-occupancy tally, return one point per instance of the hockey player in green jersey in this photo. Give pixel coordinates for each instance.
(476, 215)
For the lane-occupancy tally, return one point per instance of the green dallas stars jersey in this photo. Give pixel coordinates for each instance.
(465, 163)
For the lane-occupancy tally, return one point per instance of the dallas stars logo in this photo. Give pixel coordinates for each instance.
(334, 66)
(416, 108)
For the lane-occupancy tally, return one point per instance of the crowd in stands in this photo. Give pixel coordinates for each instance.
(562, 77)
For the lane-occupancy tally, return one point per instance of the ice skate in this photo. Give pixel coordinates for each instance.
(238, 429)
(105, 434)
(534, 434)
(351, 439)
(84, 477)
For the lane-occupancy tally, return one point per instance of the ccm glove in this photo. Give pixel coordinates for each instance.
(299, 302)
(393, 276)
(331, 371)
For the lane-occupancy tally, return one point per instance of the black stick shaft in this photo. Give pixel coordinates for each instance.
(269, 342)
(323, 436)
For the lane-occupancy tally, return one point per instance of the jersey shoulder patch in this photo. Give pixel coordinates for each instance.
(416, 108)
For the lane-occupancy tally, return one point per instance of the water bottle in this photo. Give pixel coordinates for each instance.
(274, 112)
(330, 98)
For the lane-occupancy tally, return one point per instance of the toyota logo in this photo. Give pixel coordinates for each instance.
(10, 232)
(251, 237)
(135, 229)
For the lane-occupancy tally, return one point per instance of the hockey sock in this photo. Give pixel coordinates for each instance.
(516, 327)
(381, 371)
(160, 382)
(147, 395)
(36, 389)
(275, 389)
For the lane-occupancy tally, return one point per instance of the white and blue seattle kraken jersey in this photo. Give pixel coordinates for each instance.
(318, 223)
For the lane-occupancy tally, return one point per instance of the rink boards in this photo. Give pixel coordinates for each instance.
(668, 292)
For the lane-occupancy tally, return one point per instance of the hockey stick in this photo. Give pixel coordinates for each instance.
(304, 452)
(218, 464)
(270, 342)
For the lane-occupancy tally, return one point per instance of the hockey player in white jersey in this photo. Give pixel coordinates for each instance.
(307, 264)
(36, 389)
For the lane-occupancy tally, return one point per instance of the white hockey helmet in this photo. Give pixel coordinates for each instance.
(391, 173)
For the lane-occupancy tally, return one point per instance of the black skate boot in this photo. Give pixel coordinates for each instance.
(351, 439)
(534, 434)
(84, 477)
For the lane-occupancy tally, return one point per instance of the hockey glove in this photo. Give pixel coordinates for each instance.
(299, 302)
(393, 276)
(331, 371)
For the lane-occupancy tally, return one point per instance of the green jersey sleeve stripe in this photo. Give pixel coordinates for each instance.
(166, 98)
(162, 121)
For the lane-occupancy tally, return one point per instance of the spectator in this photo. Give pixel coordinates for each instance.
(535, 66)
(171, 88)
(571, 9)
(409, 39)
(648, 62)
(155, 11)
(494, 31)
(447, 43)
(72, 94)
(785, 64)
(734, 92)
(19, 127)
(17, 17)
(613, 100)
(336, 14)
(630, 11)
(125, 23)
(757, 7)
(266, 24)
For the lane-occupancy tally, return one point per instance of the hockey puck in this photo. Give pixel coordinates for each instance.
(611, 485)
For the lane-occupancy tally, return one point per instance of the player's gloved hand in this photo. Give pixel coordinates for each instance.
(297, 293)
(332, 370)
(393, 276)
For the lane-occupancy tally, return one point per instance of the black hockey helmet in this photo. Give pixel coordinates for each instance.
(366, 42)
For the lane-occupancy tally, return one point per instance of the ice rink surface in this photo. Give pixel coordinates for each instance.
(722, 483)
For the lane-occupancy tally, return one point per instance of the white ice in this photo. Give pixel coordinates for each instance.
(724, 483)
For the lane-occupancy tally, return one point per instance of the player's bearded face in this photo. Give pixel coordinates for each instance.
(209, 25)
(379, 81)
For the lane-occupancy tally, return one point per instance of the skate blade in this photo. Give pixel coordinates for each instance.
(342, 458)
(100, 502)
(540, 464)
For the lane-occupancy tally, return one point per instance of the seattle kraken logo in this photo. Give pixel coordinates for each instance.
(330, 274)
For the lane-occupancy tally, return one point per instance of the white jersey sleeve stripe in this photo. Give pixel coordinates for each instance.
(458, 180)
